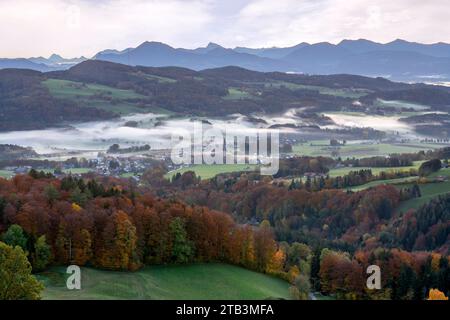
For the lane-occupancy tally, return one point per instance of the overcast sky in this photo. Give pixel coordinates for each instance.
(82, 27)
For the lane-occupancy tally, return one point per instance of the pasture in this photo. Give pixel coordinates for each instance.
(187, 282)
(206, 171)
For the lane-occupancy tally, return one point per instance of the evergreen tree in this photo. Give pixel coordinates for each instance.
(42, 254)
(15, 236)
(182, 248)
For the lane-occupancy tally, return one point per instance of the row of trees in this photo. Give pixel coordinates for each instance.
(71, 221)
(353, 178)
(330, 237)
(112, 228)
(342, 219)
(404, 275)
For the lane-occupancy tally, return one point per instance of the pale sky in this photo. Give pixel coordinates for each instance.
(82, 27)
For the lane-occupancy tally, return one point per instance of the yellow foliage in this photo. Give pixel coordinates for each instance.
(76, 207)
(436, 294)
(117, 188)
(293, 273)
(277, 261)
(435, 258)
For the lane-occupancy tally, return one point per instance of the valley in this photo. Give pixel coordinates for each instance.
(353, 159)
(302, 155)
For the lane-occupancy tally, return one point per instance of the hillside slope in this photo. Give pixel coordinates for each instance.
(97, 90)
(191, 282)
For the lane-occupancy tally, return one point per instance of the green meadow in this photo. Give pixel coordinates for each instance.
(206, 171)
(375, 171)
(399, 181)
(360, 150)
(188, 282)
(339, 92)
(237, 94)
(70, 89)
(6, 174)
(95, 95)
(428, 191)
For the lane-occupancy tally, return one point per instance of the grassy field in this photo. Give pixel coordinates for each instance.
(69, 89)
(6, 174)
(323, 148)
(428, 191)
(160, 79)
(400, 104)
(237, 94)
(78, 170)
(127, 175)
(209, 171)
(383, 182)
(375, 171)
(445, 172)
(94, 95)
(345, 93)
(192, 282)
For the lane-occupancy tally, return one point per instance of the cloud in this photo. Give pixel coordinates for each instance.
(288, 22)
(82, 27)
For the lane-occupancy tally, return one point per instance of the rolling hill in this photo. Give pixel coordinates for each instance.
(97, 90)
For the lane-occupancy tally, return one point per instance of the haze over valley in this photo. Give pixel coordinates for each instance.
(302, 155)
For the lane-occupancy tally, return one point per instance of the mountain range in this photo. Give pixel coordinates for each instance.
(397, 60)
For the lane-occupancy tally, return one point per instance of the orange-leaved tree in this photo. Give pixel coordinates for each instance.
(436, 294)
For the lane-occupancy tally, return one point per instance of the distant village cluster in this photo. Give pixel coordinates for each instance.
(131, 165)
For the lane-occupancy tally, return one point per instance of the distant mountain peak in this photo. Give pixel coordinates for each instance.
(399, 41)
(210, 47)
(213, 45)
(360, 40)
(400, 58)
(153, 44)
(55, 57)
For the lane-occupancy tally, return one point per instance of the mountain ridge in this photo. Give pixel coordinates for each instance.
(399, 60)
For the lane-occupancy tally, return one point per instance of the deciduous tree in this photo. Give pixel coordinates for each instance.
(16, 280)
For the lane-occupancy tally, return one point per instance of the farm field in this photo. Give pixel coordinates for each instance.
(383, 182)
(6, 174)
(445, 172)
(344, 171)
(428, 191)
(400, 104)
(94, 95)
(237, 94)
(191, 282)
(209, 171)
(160, 79)
(72, 89)
(323, 148)
(127, 175)
(78, 170)
(345, 93)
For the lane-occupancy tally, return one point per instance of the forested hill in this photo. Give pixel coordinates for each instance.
(95, 90)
